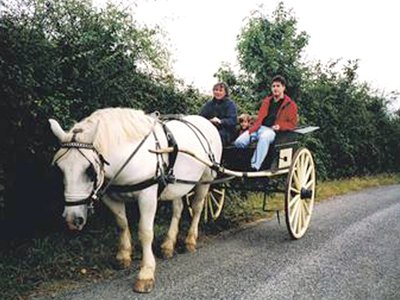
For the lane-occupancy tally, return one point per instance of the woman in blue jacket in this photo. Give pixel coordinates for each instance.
(222, 112)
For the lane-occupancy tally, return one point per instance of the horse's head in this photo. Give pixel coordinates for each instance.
(82, 168)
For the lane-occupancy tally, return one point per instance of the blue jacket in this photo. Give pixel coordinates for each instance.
(226, 111)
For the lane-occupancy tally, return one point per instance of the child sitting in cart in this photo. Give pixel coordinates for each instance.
(245, 122)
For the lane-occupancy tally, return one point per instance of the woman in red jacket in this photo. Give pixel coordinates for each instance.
(277, 113)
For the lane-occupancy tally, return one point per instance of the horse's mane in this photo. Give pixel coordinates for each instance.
(115, 126)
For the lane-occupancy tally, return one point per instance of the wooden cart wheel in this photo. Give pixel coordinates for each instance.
(213, 203)
(300, 193)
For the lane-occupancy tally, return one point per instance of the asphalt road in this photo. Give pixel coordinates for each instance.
(351, 251)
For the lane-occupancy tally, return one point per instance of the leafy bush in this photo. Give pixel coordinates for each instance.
(65, 59)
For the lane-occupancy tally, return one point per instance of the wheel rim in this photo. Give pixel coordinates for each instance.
(300, 193)
(213, 203)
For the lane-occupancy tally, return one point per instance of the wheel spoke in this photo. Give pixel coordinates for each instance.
(221, 192)
(300, 171)
(299, 224)
(188, 198)
(305, 162)
(211, 207)
(294, 200)
(303, 215)
(190, 211)
(301, 167)
(306, 208)
(205, 209)
(214, 200)
(293, 213)
(301, 161)
(308, 173)
(294, 190)
(305, 165)
(296, 180)
(309, 184)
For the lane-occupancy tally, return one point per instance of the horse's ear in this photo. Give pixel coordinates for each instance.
(58, 131)
(92, 133)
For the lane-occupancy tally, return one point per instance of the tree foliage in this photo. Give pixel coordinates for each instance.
(357, 131)
(268, 47)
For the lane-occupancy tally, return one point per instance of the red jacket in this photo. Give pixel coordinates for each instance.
(286, 116)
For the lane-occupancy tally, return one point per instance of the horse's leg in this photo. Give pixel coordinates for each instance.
(147, 206)
(169, 243)
(197, 207)
(125, 239)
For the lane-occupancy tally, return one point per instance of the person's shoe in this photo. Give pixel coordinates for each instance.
(252, 169)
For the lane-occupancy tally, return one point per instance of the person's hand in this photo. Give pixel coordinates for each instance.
(275, 127)
(215, 120)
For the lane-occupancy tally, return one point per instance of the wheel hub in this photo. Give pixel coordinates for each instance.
(305, 193)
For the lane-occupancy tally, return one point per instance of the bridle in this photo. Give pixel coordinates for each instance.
(98, 178)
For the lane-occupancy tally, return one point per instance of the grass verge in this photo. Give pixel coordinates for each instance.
(58, 261)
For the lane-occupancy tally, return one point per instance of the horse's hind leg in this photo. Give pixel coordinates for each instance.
(169, 243)
(197, 207)
(125, 240)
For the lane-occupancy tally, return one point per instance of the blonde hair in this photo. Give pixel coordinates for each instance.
(245, 117)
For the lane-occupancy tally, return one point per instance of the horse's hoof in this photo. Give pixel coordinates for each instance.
(167, 249)
(124, 264)
(191, 248)
(143, 285)
(167, 253)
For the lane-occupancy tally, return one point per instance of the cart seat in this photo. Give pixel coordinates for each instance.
(279, 155)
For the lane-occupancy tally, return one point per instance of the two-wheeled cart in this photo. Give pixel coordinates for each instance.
(286, 158)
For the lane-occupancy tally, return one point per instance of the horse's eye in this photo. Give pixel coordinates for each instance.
(91, 173)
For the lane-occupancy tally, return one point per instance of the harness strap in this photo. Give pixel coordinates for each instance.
(171, 144)
(135, 187)
(215, 181)
(197, 131)
(88, 200)
(161, 166)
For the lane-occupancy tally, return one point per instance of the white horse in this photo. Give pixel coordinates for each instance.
(113, 135)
